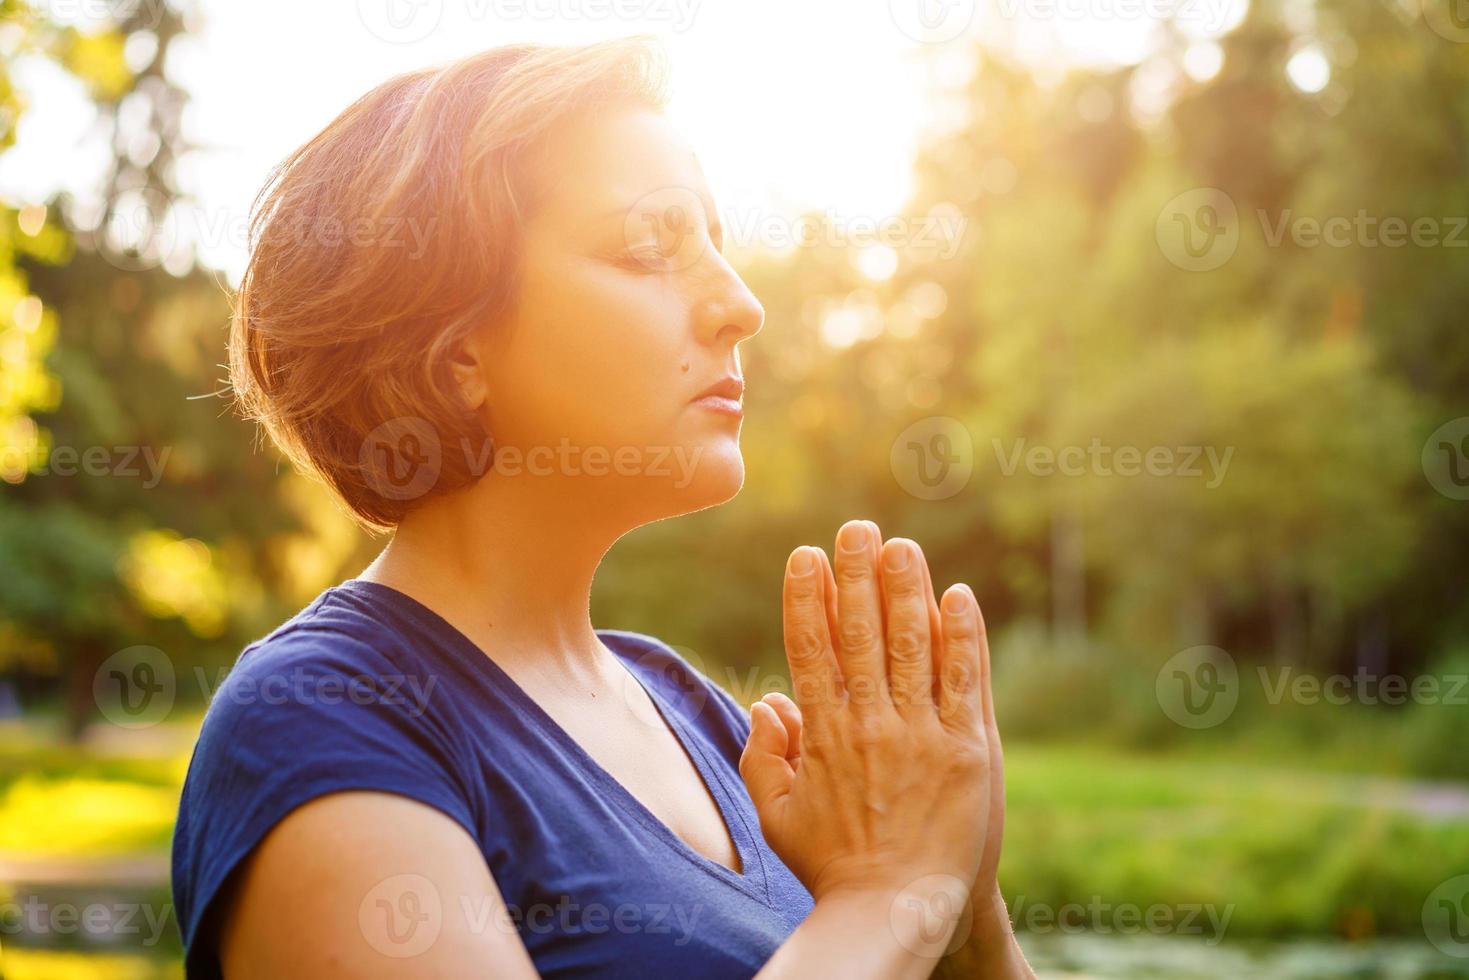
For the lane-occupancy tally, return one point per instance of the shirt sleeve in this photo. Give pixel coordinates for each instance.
(302, 714)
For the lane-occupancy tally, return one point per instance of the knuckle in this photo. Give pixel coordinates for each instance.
(968, 758)
(803, 592)
(857, 633)
(805, 646)
(960, 632)
(960, 676)
(907, 646)
(903, 585)
(853, 571)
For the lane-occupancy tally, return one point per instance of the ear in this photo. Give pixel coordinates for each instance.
(467, 366)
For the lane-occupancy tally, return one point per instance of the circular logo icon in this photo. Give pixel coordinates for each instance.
(1199, 229)
(681, 682)
(401, 916)
(933, 458)
(100, 15)
(138, 230)
(932, 916)
(666, 230)
(1446, 917)
(400, 21)
(932, 21)
(1198, 687)
(1446, 459)
(1449, 19)
(401, 458)
(135, 688)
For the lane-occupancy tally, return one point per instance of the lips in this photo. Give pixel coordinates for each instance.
(729, 387)
(723, 397)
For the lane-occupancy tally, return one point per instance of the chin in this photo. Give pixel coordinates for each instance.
(704, 475)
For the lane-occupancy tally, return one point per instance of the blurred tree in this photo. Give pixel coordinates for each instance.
(1059, 321)
(141, 516)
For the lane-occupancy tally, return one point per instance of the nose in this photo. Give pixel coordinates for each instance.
(729, 312)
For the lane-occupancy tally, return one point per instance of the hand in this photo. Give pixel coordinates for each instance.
(882, 777)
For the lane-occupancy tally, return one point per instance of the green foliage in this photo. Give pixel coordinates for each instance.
(131, 512)
(1291, 850)
(1304, 378)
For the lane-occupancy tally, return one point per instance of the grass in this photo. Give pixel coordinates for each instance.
(35, 964)
(1287, 851)
(70, 816)
(65, 800)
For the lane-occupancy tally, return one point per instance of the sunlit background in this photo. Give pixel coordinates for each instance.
(1145, 317)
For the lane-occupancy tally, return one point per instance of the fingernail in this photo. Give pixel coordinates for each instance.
(896, 558)
(801, 562)
(955, 600)
(853, 538)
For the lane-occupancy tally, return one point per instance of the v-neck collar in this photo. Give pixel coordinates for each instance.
(752, 878)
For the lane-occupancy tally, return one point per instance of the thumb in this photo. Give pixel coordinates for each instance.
(763, 764)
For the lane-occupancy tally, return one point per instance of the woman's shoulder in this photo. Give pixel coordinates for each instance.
(337, 641)
(334, 669)
(329, 701)
(340, 620)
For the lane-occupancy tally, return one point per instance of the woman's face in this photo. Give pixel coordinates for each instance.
(627, 314)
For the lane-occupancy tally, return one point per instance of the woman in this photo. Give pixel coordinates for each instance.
(487, 305)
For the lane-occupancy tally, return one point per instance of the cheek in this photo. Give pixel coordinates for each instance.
(593, 357)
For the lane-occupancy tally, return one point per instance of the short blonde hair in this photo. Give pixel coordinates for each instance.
(380, 245)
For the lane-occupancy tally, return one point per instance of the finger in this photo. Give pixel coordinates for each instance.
(909, 637)
(960, 702)
(987, 694)
(935, 628)
(790, 716)
(877, 541)
(763, 764)
(831, 605)
(859, 636)
(815, 674)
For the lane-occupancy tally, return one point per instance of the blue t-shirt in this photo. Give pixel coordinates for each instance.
(367, 689)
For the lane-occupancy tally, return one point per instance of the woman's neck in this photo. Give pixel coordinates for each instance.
(510, 564)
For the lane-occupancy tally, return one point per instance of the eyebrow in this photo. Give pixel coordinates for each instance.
(624, 210)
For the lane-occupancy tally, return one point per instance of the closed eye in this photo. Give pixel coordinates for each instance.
(647, 258)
